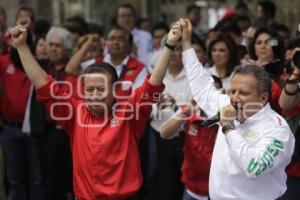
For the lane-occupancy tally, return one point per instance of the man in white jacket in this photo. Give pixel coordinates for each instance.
(254, 143)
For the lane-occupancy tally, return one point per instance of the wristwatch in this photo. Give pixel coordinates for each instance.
(227, 127)
(172, 47)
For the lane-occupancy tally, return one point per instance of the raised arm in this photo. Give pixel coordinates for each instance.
(169, 128)
(34, 72)
(73, 66)
(160, 67)
(201, 83)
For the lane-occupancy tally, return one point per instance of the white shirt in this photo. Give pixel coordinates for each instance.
(152, 58)
(248, 162)
(178, 88)
(143, 42)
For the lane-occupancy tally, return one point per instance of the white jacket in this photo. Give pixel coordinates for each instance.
(249, 162)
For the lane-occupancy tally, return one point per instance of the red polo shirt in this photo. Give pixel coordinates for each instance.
(198, 149)
(15, 86)
(105, 158)
(293, 169)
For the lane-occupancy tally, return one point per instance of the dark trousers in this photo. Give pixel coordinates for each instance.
(170, 157)
(22, 164)
(56, 162)
(2, 170)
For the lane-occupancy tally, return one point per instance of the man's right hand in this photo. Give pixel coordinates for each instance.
(18, 36)
(187, 29)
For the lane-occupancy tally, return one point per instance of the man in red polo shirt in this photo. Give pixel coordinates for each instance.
(119, 46)
(104, 134)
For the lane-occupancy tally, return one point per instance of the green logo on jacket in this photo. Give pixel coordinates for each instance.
(267, 158)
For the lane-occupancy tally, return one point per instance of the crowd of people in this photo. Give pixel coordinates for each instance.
(151, 111)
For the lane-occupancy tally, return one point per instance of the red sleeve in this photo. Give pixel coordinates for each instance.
(142, 101)
(73, 84)
(59, 103)
(274, 101)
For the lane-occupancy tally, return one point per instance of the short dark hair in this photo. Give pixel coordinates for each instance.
(41, 26)
(268, 7)
(102, 68)
(130, 36)
(229, 25)
(160, 25)
(130, 7)
(28, 9)
(243, 18)
(192, 7)
(264, 82)
(95, 27)
(76, 24)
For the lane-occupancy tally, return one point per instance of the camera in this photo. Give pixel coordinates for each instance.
(275, 67)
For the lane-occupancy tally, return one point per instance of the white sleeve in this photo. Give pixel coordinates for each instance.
(201, 83)
(274, 149)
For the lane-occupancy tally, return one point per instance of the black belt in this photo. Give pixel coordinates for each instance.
(13, 124)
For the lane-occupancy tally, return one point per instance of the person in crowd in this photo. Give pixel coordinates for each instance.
(126, 18)
(230, 26)
(289, 102)
(223, 56)
(53, 143)
(200, 48)
(198, 147)
(267, 51)
(119, 44)
(283, 31)
(159, 30)
(41, 26)
(22, 164)
(193, 13)
(254, 144)
(40, 48)
(144, 24)
(77, 26)
(98, 29)
(169, 152)
(25, 16)
(242, 9)
(244, 22)
(3, 28)
(265, 13)
(266, 47)
(104, 146)
(210, 35)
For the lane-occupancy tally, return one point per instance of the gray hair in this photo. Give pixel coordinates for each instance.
(264, 82)
(63, 34)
